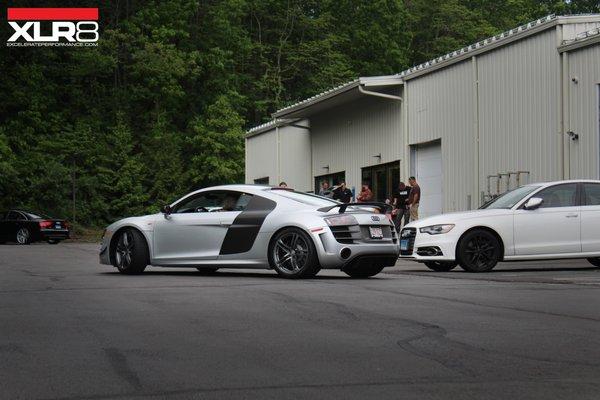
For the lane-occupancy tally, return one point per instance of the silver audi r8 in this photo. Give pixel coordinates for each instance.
(252, 226)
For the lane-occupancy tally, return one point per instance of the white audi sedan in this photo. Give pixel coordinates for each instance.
(554, 220)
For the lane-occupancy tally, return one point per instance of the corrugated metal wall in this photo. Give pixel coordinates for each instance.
(584, 110)
(519, 101)
(281, 156)
(294, 153)
(261, 157)
(347, 137)
(441, 105)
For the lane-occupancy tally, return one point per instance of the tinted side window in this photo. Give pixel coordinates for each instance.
(12, 215)
(592, 194)
(559, 196)
(214, 202)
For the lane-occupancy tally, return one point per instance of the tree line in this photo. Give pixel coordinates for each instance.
(160, 106)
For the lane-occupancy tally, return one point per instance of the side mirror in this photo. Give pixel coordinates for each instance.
(167, 210)
(533, 203)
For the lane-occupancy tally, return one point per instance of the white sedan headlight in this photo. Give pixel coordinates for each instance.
(437, 229)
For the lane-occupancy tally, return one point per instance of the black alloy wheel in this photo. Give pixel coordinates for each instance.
(130, 254)
(478, 251)
(293, 255)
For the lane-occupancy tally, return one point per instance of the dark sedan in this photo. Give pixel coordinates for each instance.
(25, 227)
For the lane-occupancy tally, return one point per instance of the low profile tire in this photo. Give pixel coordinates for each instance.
(207, 270)
(51, 241)
(594, 261)
(440, 266)
(23, 236)
(130, 252)
(363, 272)
(293, 255)
(478, 251)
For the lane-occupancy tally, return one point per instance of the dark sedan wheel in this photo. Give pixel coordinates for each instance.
(594, 261)
(478, 251)
(23, 236)
(292, 254)
(440, 266)
(130, 252)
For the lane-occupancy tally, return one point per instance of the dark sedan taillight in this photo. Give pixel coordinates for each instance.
(66, 225)
(46, 224)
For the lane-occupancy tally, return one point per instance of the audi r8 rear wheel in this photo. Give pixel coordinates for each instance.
(23, 236)
(440, 266)
(292, 254)
(130, 252)
(594, 261)
(478, 251)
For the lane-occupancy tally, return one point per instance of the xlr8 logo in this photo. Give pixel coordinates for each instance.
(53, 26)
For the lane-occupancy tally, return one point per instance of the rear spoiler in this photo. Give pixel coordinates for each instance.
(382, 207)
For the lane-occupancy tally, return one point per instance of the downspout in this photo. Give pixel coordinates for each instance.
(566, 117)
(477, 198)
(278, 156)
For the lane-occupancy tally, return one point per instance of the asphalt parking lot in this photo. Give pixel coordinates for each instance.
(73, 329)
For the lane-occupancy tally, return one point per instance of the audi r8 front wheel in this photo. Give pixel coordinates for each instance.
(293, 255)
(130, 252)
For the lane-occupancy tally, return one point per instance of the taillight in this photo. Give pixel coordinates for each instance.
(46, 224)
(66, 225)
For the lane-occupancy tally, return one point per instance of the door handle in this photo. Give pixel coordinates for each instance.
(572, 215)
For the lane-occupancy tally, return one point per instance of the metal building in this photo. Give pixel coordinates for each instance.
(518, 107)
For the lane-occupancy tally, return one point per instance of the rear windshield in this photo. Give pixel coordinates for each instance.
(35, 216)
(305, 198)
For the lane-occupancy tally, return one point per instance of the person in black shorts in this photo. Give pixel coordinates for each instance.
(400, 199)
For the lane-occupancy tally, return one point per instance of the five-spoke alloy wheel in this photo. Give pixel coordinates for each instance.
(292, 254)
(479, 251)
(23, 236)
(130, 252)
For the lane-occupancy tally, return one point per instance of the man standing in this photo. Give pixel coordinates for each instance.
(400, 200)
(413, 199)
(342, 193)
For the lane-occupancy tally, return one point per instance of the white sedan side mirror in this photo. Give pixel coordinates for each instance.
(533, 203)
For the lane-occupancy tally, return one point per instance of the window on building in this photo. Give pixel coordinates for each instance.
(332, 179)
(382, 179)
(262, 181)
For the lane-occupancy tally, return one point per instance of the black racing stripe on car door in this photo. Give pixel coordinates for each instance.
(243, 231)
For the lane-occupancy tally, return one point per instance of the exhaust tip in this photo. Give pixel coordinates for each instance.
(345, 253)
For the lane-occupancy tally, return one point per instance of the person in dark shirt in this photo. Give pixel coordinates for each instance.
(342, 193)
(414, 198)
(400, 200)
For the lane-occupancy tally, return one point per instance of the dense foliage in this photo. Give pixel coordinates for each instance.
(161, 105)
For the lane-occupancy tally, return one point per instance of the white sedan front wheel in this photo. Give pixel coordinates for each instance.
(478, 251)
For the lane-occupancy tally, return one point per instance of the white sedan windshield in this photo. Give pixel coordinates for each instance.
(509, 199)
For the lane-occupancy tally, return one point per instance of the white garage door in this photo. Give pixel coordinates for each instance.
(428, 171)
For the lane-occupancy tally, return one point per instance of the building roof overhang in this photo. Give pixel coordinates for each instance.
(337, 96)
